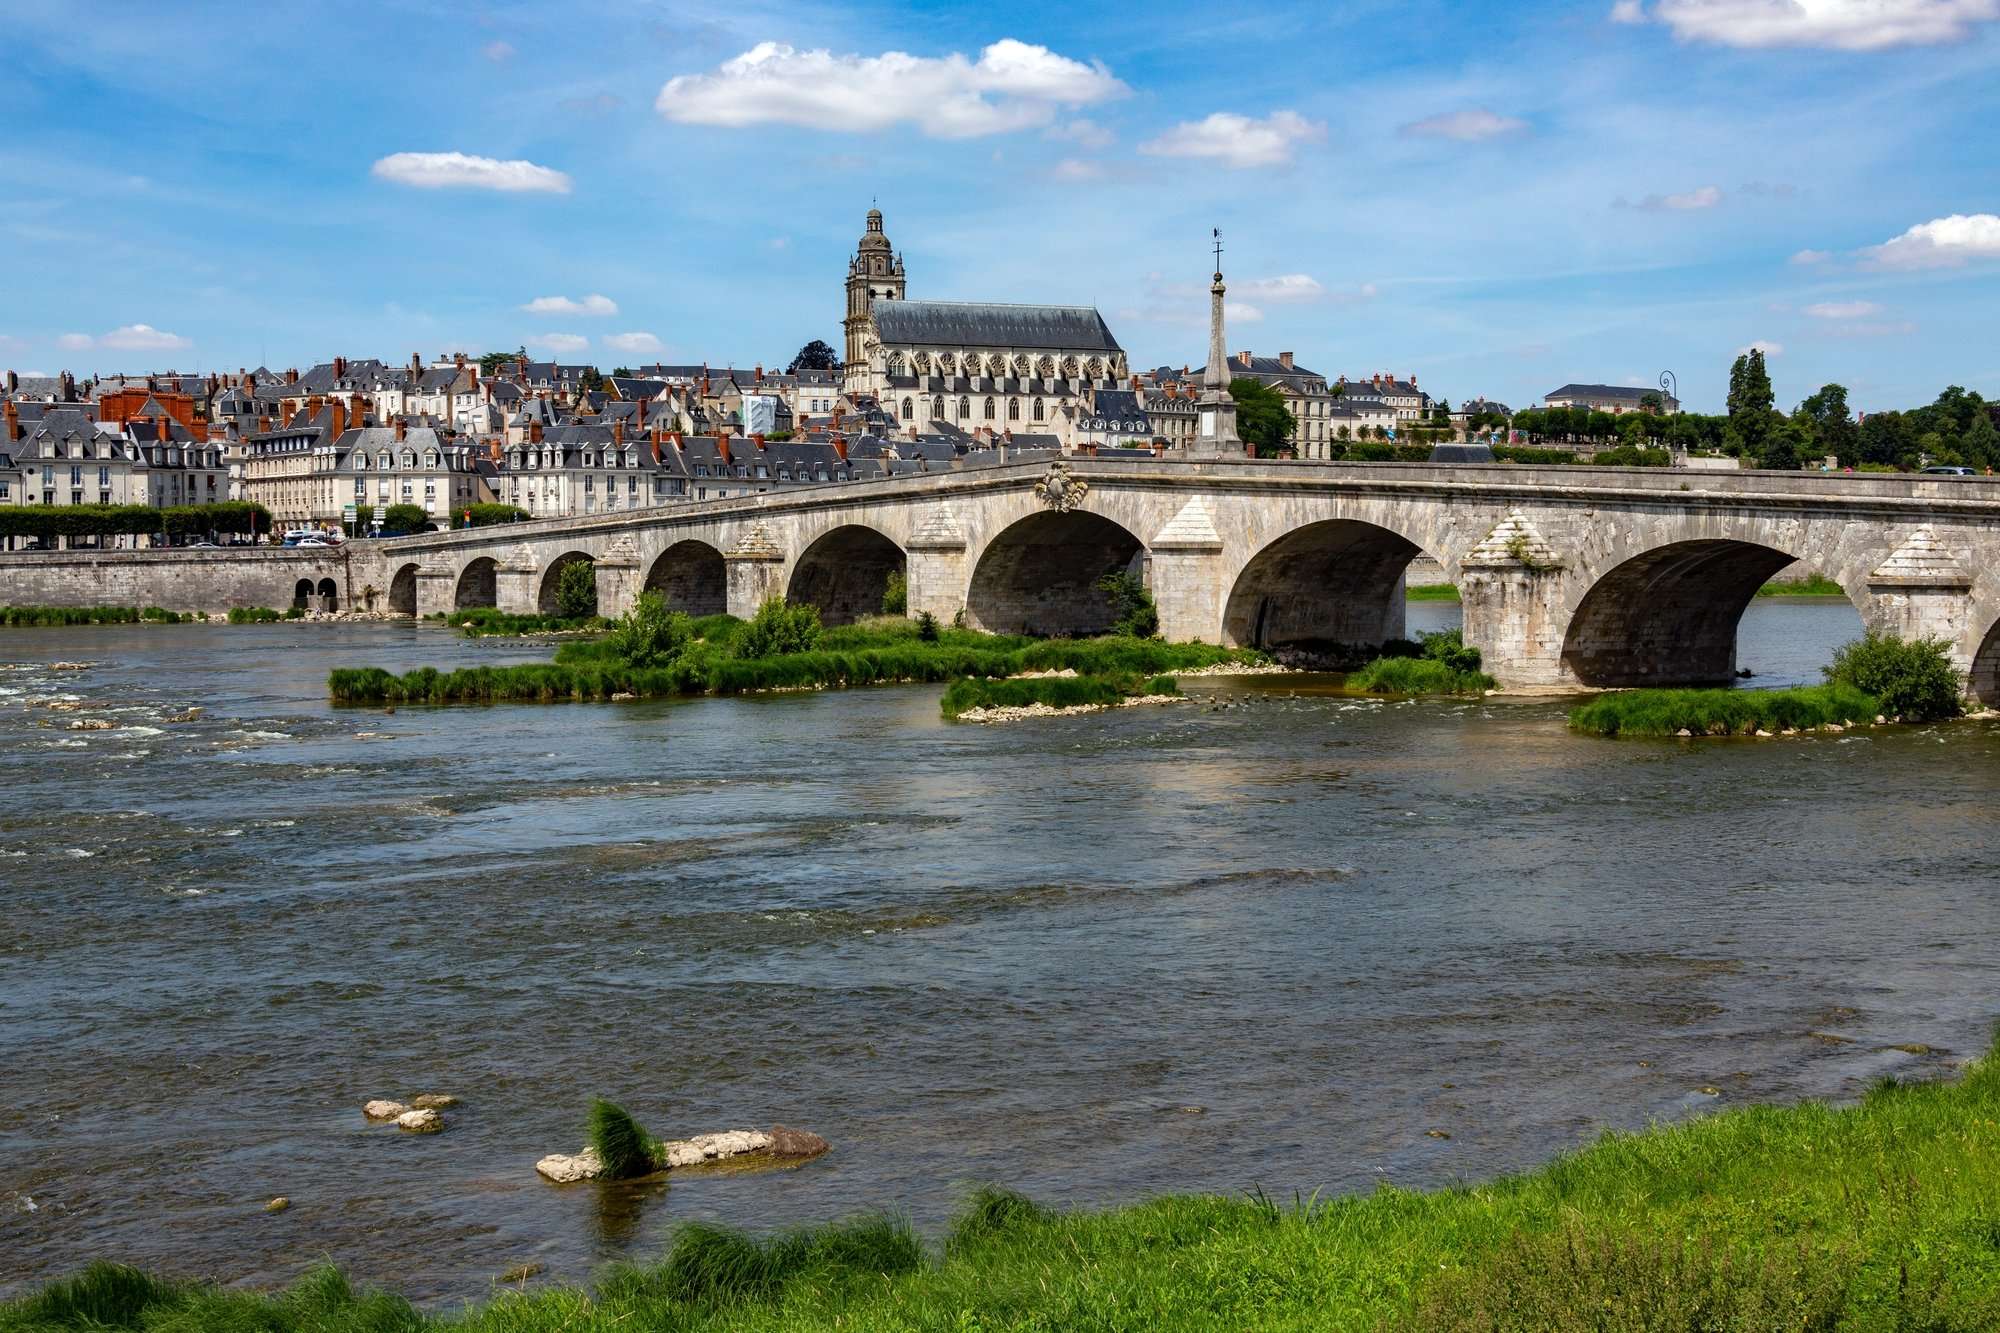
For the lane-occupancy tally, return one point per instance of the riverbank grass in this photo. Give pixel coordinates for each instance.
(1437, 663)
(56, 617)
(1881, 1215)
(1431, 592)
(1722, 712)
(1810, 585)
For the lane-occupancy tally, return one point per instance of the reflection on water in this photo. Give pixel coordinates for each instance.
(1270, 937)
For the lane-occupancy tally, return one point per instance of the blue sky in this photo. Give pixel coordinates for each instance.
(1498, 198)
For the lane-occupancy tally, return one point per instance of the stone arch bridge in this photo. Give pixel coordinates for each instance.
(1569, 576)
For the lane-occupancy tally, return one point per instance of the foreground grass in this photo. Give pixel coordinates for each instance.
(1884, 1215)
(1104, 691)
(38, 617)
(1722, 712)
(871, 654)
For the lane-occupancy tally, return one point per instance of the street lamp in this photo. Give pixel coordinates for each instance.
(1671, 387)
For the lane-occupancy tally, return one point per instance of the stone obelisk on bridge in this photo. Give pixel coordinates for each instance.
(1215, 410)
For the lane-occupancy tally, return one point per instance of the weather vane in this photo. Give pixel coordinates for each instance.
(1218, 249)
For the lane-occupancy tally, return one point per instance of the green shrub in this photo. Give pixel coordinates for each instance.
(1626, 455)
(232, 516)
(779, 628)
(257, 615)
(1133, 613)
(964, 695)
(1721, 712)
(485, 515)
(1516, 453)
(649, 634)
(1449, 647)
(397, 519)
(928, 629)
(1913, 679)
(576, 590)
(896, 596)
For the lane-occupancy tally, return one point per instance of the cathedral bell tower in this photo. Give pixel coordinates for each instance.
(874, 274)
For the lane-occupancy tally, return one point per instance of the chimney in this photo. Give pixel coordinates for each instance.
(13, 382)
(340, 367)
(760, 372)
(840, 447)
(166, 428)
(416, 365)
(534, 432)
(642, 413)
(402, 429)
(1243, 359)
(1285, 360)
(618, 434)
(722, 448)
(339, 418)
(1413, 381)
(458, 360)
(292, 376)
(758, 440)
(13, 420)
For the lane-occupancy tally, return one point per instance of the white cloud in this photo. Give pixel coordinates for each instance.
(560, 343)
(1628, 11)
(1843, 309)
(1465, 126)
(9, 343)
(1941, 243)
(1287, 287)
(1238, 141)
(436, 171)
(497, 52)
(1012, 86)
(644, 344)
(1688, 201)
(1841, 25)
(1241, 312)
(1075, 169)
(126, 338)
(592, 304)
(1083, 132)
(1807, 257)
(1769, 349)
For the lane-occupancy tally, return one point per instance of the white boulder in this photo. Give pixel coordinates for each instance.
(714, 1147)
(425, 1121)
(565, 1169)
(381, 1108)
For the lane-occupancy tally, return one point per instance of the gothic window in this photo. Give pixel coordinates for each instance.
(1069, 367)
(989, 409)
(1038, 409)
(909, 410)
(1013, 409)
(1021, 365)
(1045, 367)
(937, 408)
(1095, 367)
(921, 363)
(965, 409)
(947, 363)
(895, 363)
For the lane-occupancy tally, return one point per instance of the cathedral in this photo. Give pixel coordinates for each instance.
(938, 365)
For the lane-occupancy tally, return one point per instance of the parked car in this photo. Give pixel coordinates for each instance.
(310, 541)
(1942, 470)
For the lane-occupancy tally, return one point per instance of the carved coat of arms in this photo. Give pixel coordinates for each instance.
(1059, 490)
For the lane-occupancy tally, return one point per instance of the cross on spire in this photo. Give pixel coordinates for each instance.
(1218, 252)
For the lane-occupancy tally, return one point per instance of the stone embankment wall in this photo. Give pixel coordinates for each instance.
(179, 580)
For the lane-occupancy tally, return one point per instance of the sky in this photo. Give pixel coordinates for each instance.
(1495, 197)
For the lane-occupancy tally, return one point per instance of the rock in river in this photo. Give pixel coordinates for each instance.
(432, 1101)
(715, 1147)
(425, 1121)
(796, 1142)
(565, 1169)
(382, 1108)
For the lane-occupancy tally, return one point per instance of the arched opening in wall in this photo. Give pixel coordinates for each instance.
(845, 574)
(302, 594)
(691, 576)
(1671, 616)
(1039, 576)
(329, 595)
(478, 585)
(403, 591)
(547, 600)
(1986, 669)
(1334, 586)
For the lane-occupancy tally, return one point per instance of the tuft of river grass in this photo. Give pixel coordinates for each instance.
(1880, 1215)
(1722, 712)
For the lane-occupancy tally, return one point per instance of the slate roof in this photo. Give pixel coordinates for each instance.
(1626, 393)
(981, 324)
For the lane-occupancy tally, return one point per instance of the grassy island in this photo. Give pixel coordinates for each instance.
(1083, 691)
(1437, 663)
(1883, 1215)
(653, 653)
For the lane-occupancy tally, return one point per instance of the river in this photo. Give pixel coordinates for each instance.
(1271, 938)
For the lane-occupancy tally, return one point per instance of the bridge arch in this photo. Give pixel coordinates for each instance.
(1984, 678)
(691, 575)
(478, 585)
(545, 595)
(1337, 583)
(403, 590)
(1039, 575)
(845, 573)
(1669, 615)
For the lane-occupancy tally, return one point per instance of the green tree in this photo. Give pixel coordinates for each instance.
(576, 590)
(1981, 441)
(1132, 610)
(621, 372)
(1833, 428)
(1750, 384)
(1650, 401)
(896, 595)
(406, 518)
(815, 355)
(1913, 679)
(489, 364)
(780, 628)
(1261, 416)
(1888, 438)
(649, 635)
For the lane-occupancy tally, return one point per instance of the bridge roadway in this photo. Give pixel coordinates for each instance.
(1569, 576)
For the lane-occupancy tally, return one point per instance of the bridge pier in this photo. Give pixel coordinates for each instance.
(516, 583)
(1921, 591)
(1184, 574)
(618, 579)
(934, 567)
(437, 589)
(1510, 591)
(753, 570)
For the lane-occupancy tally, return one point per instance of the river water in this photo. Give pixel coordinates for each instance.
(1273, 938)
